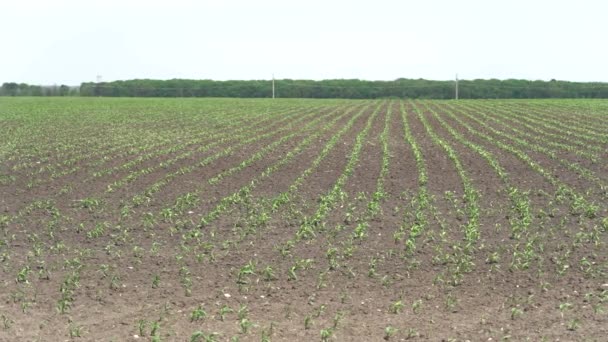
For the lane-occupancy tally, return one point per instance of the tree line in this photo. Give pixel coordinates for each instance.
(349, 88)
(343, 88)
(23, 89)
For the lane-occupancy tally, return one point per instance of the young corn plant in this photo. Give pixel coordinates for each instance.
(244, 273)
(389, 332)
(396, 307)
(199, 336)
(225, 310)
(326, 334)
(245, 325)
(198, 314)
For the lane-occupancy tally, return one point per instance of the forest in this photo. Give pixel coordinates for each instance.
(339, 88)
(23, 89)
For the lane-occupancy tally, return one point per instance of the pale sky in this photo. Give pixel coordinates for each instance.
(68, 42)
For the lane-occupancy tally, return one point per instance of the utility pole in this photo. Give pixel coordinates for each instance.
(273, 86)
(456, 90)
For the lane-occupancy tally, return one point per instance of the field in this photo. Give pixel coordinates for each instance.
(303, 220)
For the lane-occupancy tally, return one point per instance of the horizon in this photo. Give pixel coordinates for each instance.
(314, 80)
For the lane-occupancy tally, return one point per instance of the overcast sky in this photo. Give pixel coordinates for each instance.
(68, 42)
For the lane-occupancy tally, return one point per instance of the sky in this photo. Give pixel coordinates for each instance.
(69, 42)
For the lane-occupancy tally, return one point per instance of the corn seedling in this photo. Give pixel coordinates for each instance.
(389, 332)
